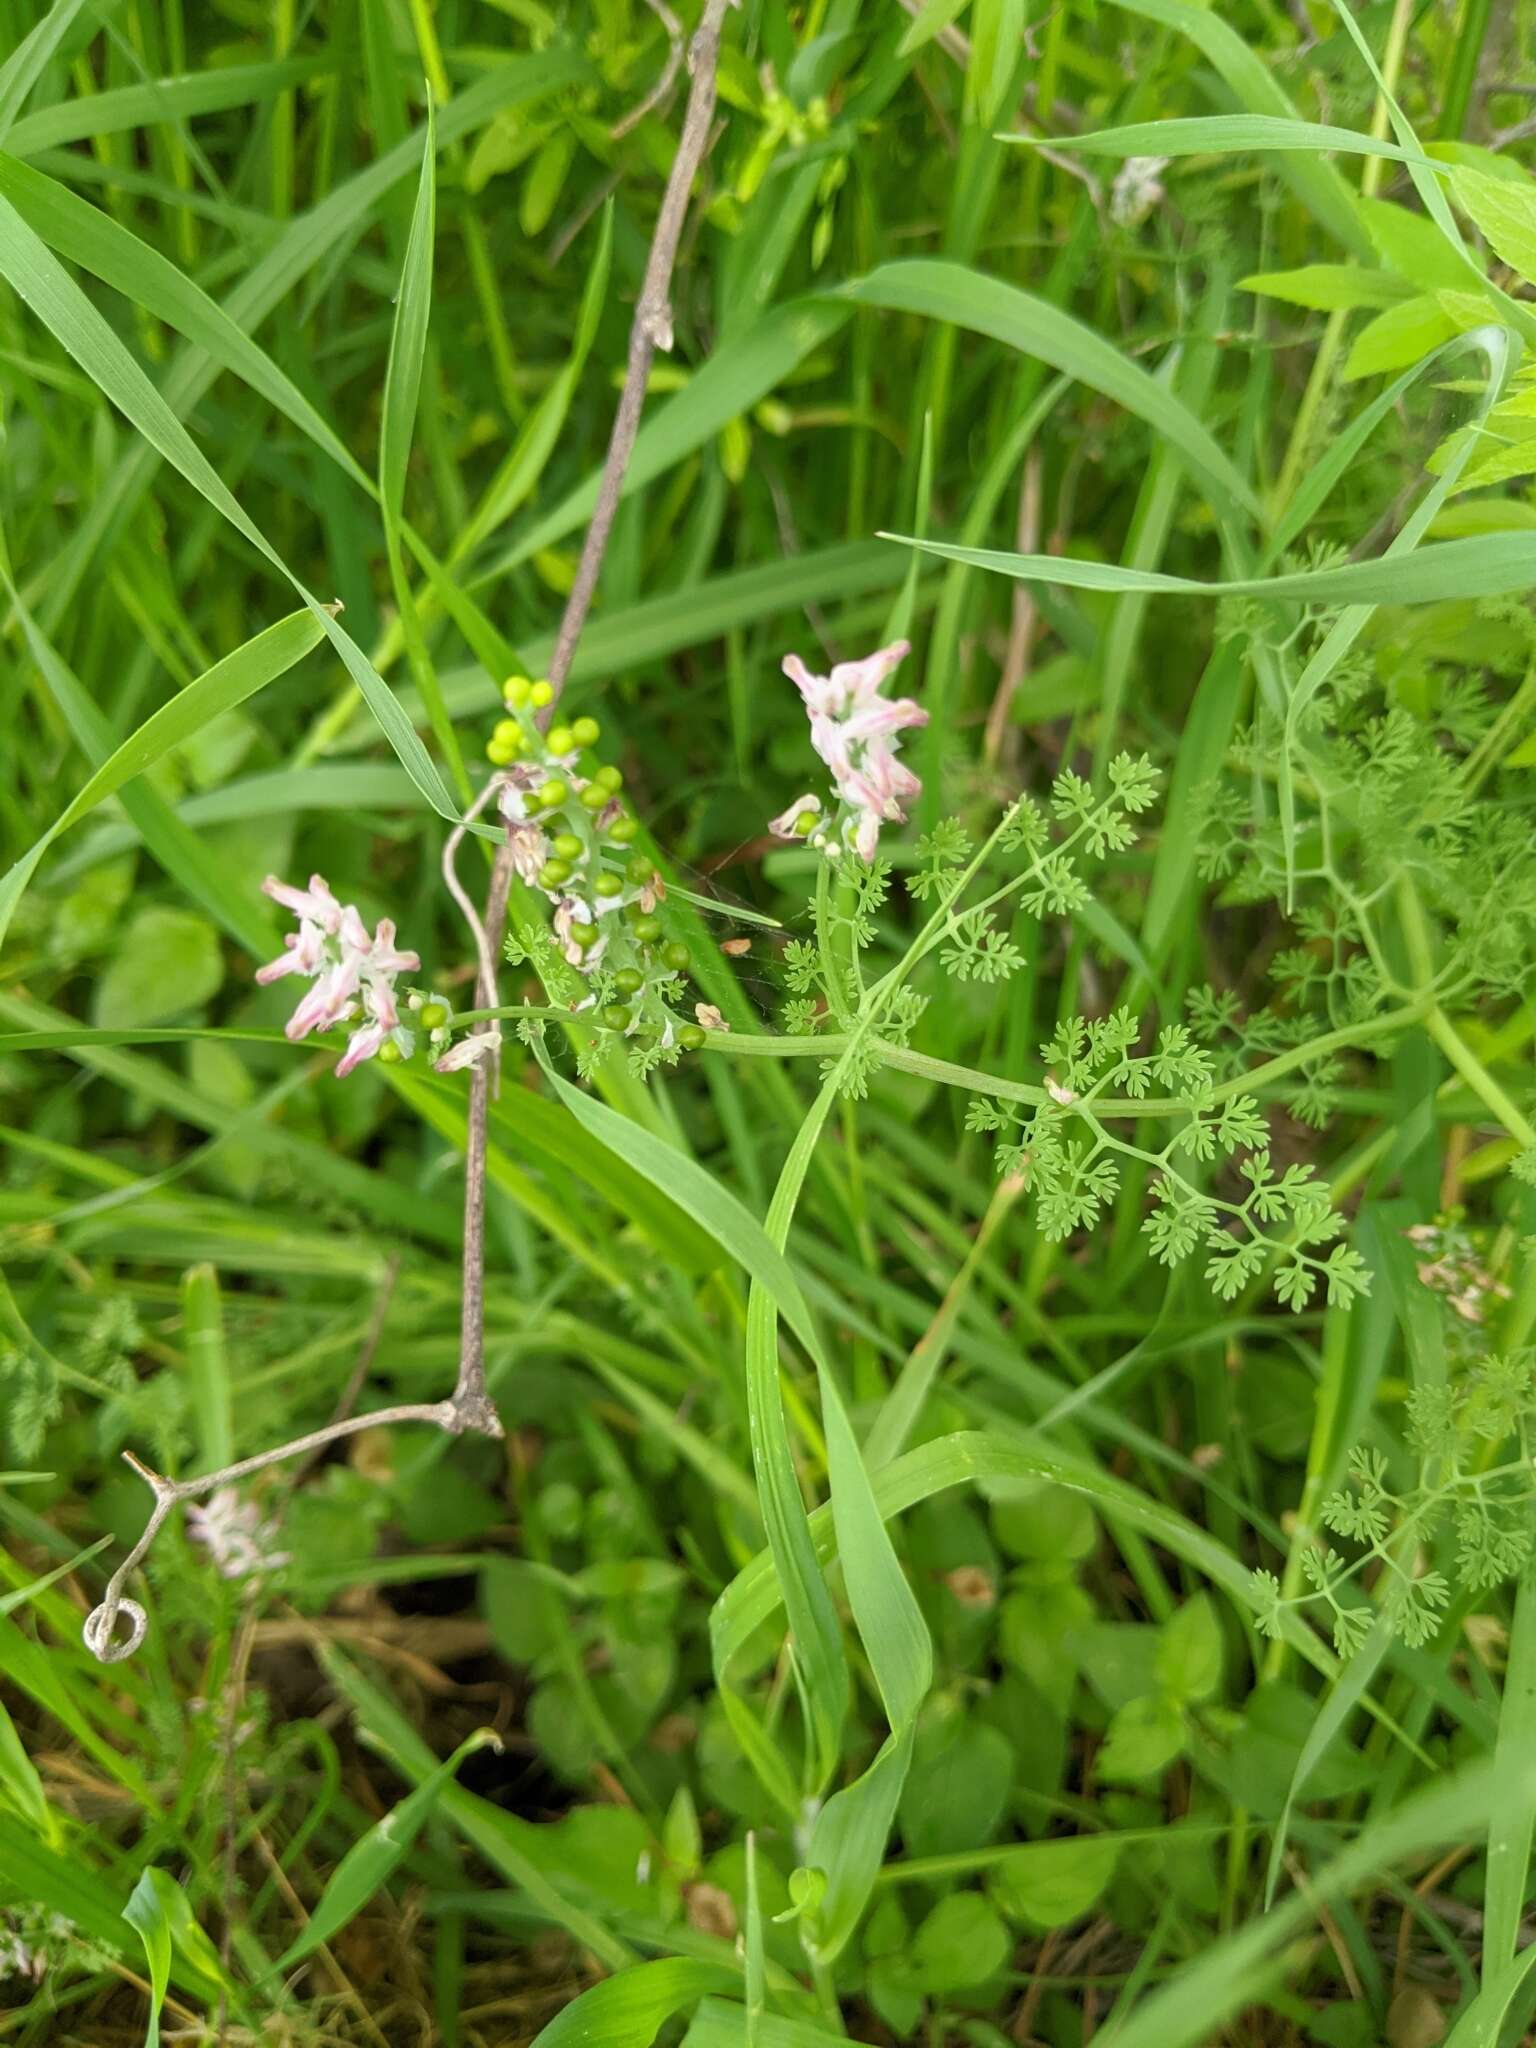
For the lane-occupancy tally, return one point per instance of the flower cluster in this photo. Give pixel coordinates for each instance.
(572, 838)
(853, 729)
(349, 972)
(237, 1536)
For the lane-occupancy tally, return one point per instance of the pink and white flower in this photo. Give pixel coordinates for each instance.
(470, 1050)
(854, 730)
(348, 971)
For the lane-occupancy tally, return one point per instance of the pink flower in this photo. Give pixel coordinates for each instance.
(315, 903)
(470, 1050)
(784, 826)
(854, 730)
(346, 968)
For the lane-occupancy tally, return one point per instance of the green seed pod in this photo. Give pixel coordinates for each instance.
(647, 930)
(583, 934)
(586, 732)
(561, 740)
(593, 797)
(608, 884)
(541, 694)
(629, 981)
(433, 1016)
(390, 1054)
(624, 831)
(617, 1016)
(676, 956)
(806, 824)
(499, 754)
(639, 869)
(610, 778)
(554, 874)
(691, 1037)
(566, 846)
(551, 793)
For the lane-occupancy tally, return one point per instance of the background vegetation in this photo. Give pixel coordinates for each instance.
(1152, 1247)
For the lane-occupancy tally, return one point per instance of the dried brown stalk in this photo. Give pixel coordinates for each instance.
(469, 1408)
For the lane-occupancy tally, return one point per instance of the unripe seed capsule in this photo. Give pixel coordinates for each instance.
(552, 793)
(676, 956)
(499, 754)
(616, 1016)
(509, 730)
(608, 884)
(561, 740)
(433, 1016)
(541, 694)
(515, 691)
(586, 732)
(554, 873)
(567, 846)
(594, 796)
(390, 1054)
(610, 777)
(639, 868)
(629, 981)
(806, 824)
(584, 934)
(623, 831)
(647, 930)
(691, 1037)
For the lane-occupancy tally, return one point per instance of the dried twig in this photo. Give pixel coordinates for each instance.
(651, 329)
(469, 1408)
(668, 78)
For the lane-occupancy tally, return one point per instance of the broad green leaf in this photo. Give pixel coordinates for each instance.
(145, 1912)
(1505, 215)
(988, 305)
(961, 1943)
(1144, 1737)
(1493, 566)
(166, 964)
(627, 2010)
(1220, 135)
(1189, 1650)
(1414, 247)
(373, 1858)
(1328, 287)
(1401, 335)
(1051, 1884)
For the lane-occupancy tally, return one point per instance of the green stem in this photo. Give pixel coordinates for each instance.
(1478, 1078)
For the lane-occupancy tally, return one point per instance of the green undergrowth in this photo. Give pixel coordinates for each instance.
(1013, 1322)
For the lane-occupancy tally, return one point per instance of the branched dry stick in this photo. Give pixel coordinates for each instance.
(651, 329)
(469, 1407)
